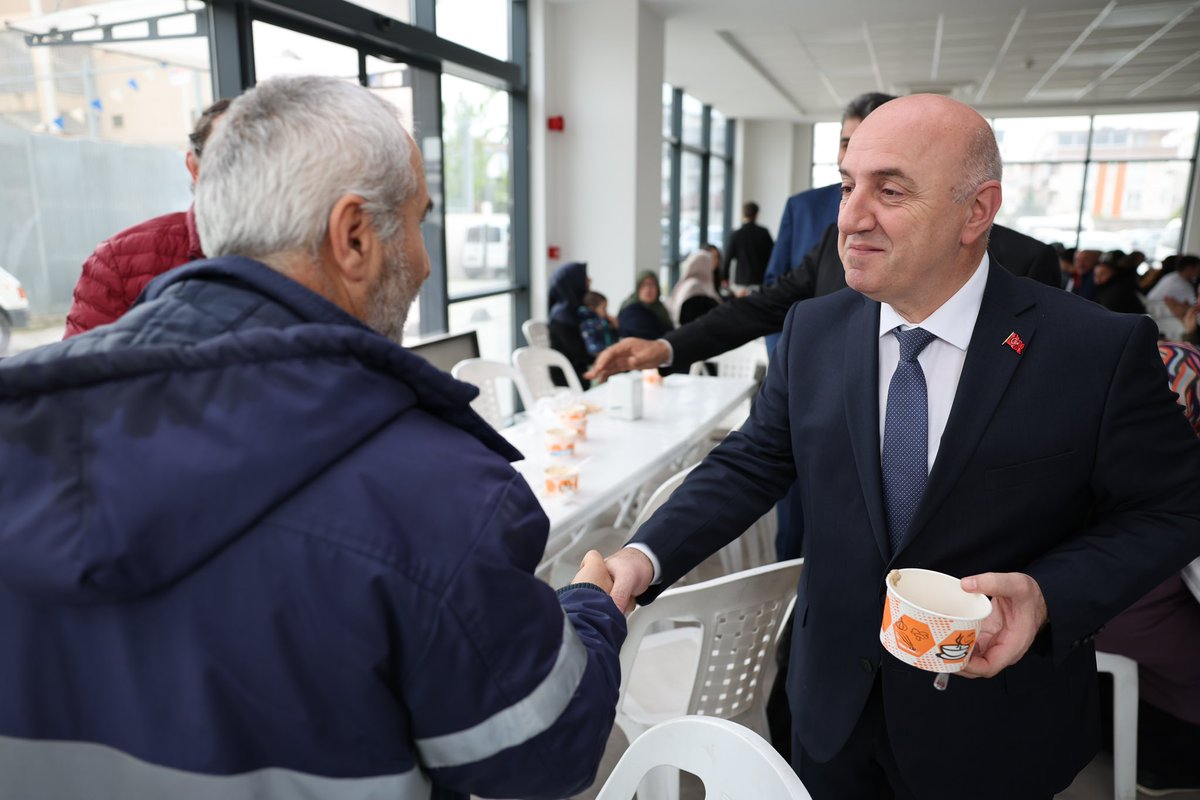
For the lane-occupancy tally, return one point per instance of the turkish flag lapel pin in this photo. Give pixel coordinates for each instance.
(1014, 341)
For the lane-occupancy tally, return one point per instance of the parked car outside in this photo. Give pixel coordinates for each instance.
(487, 250)
(14, 307)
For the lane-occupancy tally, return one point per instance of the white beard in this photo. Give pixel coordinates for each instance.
(393, 294)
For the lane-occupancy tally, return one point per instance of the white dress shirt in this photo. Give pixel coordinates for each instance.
(942, 362)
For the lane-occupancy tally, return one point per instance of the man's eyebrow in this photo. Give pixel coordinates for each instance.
(886, 172)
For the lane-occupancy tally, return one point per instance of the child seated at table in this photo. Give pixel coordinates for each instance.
(599, 330)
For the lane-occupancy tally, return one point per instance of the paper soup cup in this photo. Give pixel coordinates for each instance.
(575, 418)
(562, 479)
(929, 621)
(560, 442)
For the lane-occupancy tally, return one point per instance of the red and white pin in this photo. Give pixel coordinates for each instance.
(1014, 341)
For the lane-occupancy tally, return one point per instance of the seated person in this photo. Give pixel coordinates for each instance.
(598, 328)
(1168, 302)
(1162, 633)
(694, 295)
(642, 314)
(568, 285)
(1117, 284)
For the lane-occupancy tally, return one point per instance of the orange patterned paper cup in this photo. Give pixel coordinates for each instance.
(575, 417)
(560, 442)
(562, 479)
(929, 621)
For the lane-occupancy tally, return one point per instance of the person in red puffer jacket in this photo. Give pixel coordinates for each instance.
(121, 266)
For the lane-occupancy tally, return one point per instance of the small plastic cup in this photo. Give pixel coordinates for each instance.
(561, 479)
(560, 442)
(929, 622)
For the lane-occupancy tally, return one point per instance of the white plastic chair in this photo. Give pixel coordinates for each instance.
(748, 361)
(733, 762)
(537, 332)
(534, 364)
(1125, 721)
(489, 377)
(741, 362)
(730, 656)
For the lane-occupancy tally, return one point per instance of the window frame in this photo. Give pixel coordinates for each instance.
(231, 50)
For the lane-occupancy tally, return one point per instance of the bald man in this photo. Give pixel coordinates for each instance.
(940, 413)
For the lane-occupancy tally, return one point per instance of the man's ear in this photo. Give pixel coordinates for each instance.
(352, 239)
(984, 205)
(193, 165)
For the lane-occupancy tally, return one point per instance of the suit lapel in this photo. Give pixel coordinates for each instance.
(989, 366)
(862, 412)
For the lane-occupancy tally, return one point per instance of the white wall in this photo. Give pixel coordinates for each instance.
(772, 162)
(598, 64)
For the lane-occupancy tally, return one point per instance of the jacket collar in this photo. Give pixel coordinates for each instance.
(195, 251)
(435, 390)
(990, 365)
(988, 368)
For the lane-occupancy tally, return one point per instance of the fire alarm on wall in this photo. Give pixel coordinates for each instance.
(553, 251)
(555, 123)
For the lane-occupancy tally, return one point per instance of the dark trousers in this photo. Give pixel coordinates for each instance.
(865, 768)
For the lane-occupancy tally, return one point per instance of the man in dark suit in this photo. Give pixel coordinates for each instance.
(1040, 455)
(748, 250)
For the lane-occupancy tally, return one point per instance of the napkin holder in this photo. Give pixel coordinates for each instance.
(625, 395)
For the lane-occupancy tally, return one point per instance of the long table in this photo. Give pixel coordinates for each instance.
(620, 456)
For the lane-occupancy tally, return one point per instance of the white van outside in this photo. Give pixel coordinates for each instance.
(486, 250)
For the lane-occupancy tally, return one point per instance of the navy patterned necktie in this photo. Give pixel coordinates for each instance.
(906, 435)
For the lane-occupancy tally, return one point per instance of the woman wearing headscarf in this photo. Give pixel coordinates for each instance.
(694, 295)
(642, 314)
(568, 285)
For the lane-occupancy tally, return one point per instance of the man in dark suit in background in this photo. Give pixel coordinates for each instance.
(1039, 454)
(749, 250)
(807, 214)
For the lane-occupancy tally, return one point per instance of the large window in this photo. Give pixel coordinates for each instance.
(826, 138)
(94, 124)
(697, 170)
(1108, 182)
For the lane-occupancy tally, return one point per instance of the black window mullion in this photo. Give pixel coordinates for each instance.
(1087, 162)
(705, 172)
(519, 209)
(727, 221)
(676, 179)
(230, 48)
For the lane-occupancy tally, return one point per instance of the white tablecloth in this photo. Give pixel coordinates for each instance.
(620, 455)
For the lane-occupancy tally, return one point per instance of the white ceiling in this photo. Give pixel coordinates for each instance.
(804, 59)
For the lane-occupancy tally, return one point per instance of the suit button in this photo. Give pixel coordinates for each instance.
(866, 665)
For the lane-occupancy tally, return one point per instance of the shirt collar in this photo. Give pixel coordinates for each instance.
(953, 321)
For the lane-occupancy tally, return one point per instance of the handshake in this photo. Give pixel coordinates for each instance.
(624, 575)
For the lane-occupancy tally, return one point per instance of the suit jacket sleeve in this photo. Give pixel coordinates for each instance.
(1044, 268)
(1146, 522)
(733, 486)
(736, 322)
